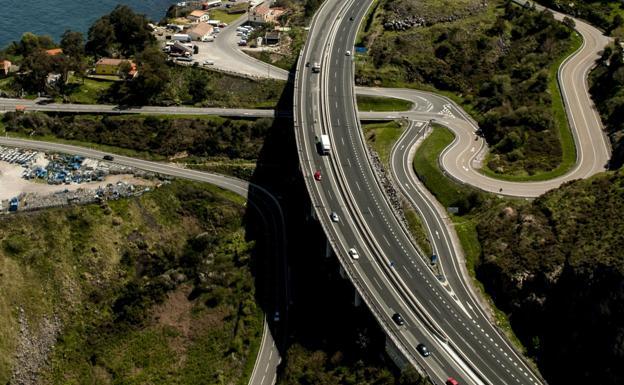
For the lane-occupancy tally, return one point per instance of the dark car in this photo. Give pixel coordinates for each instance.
(398, 319)
(423, 350)
(307, 64)
(108, 157)
(351, 18)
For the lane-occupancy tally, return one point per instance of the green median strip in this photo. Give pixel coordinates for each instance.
(379, 103)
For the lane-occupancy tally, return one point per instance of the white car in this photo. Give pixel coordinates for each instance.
(348, 53)
(353, 253)
(208, 62)
(334, 217)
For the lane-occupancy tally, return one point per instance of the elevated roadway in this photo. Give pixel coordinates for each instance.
(390, 275)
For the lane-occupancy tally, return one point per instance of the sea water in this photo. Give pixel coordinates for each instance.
(53, 17)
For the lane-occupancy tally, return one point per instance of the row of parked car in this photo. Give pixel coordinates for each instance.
(243, 31)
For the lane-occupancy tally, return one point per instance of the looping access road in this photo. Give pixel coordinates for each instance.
(391, 274)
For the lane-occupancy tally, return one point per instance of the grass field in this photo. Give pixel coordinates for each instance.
(223, 16)
(382, 137)
(428, 169)
(377, 103)
(87, 93)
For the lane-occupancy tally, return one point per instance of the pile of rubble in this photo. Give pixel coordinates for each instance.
(405, 24)
(412, 21)
(33, 349)
(81, 196)
(388, 184)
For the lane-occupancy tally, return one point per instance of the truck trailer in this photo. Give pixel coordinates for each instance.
(325, 145)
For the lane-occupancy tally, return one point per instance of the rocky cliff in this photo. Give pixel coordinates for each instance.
(556, 266)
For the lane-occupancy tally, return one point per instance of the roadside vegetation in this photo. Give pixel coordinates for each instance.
(497, 59)
(155, 289)
(607, 90)
(607, 15)
(209, 143)
(208, 136)
(379, 103)
(554, 265)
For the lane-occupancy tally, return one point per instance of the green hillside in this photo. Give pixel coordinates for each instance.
(155, 289)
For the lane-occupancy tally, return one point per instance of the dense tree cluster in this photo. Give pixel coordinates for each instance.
(499, 62)
(122, 32)
(214, 137)
(607, 89)
(605, 14)
(556, 267)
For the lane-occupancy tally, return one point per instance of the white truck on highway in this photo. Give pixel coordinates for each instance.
(325, 145)
(316, 67)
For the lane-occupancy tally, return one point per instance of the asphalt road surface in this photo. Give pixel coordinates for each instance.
(391, 275)
(449, 316)
(227, 55)
(43, 105)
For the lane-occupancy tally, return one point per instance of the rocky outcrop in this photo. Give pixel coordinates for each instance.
(556, 267)
(33, 348)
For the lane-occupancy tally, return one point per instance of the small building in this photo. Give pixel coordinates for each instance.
(262, 14)
(198, 16)
(272, 38)
(201, 31)
(5, 67)
(54, 51)
(108, 66)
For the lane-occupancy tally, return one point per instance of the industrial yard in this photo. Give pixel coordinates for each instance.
(31, 180)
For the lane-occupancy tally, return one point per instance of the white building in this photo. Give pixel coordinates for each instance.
(198, 16)
(201, 32)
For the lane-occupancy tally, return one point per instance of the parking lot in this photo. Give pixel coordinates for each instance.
(225, 54)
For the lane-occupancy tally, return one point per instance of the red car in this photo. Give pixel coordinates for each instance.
(317, 175)
(452, 381)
